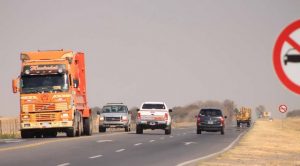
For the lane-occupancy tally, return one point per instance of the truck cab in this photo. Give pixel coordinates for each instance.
(153, 115)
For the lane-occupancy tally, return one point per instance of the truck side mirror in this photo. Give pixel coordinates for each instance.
(16, 85)
(76, 83)
(170, 110)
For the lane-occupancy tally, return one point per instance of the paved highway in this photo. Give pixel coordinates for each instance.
(116, 148)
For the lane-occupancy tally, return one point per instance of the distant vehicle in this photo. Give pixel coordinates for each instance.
(153, 115)
(243, 116)
(52, 86)
(114, 115)
(291, 57)
(210, 120)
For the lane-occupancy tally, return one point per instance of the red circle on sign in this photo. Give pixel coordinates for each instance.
(285, 37)
(282, 108)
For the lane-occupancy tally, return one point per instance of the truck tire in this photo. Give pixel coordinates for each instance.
(26, 134)
(79, 127)
(168, 130)
(248, 124)
(222, 131)
(102, 129)
(139, 129)
(88, 126)
(198, 131)
(127, 128)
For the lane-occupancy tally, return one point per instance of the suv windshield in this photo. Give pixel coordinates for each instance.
(153, 106)
(114, 109)
(42, 83)
(210, 112)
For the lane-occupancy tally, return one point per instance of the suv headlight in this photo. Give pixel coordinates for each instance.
(124, 118)
(101, 118)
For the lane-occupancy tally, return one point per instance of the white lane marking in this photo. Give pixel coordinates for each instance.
(12, 140)
(188, 143)
(138, 144)
(101, 141)
(152, 140)
(211, 155)
(64, 164)
(162, 138)
(120, 150)
(95, 156)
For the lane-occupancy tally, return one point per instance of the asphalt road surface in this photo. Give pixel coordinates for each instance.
(116, 148)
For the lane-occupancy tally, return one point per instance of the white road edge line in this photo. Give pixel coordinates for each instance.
(152, 140)
(138, 144)
(120, 150)
(101, 141)
(64, 164)
(213, 154)
(95, 156)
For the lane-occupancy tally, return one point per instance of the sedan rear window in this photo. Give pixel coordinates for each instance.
(210, 112)
(153, 106)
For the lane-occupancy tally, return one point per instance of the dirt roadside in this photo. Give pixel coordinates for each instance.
(267, 143)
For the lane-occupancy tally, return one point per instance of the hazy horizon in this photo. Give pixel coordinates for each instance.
(175, 51)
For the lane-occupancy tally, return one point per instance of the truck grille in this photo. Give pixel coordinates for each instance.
(112, 118)
(45, 106)
(44, 117)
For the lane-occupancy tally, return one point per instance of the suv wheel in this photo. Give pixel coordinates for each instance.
(222, 131)
(168, 130)
(102, 129)
(198, 131)
(127, 128)
(139, 129)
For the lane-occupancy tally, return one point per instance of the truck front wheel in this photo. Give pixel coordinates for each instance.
(26, 134)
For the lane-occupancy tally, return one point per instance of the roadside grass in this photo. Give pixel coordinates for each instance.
(267, 143)
(10, 136)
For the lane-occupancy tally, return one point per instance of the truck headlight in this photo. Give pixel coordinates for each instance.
(65, 115)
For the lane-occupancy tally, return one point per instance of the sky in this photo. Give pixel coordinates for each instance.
(157, 50)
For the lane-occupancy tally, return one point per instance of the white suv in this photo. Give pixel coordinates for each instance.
(153, 115)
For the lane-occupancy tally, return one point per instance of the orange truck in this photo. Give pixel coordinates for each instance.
(53, 99)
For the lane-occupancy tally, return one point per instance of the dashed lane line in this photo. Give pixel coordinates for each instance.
(50, 141)
(93, 157)
(137, 144)
(120, 150)
(64, 164)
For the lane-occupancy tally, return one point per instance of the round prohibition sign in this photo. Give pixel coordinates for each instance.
(283, 108)
(283, 38)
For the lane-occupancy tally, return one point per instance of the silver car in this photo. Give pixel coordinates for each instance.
(114, 115)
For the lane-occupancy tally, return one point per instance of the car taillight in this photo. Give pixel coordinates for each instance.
(198, 119)
(222, 120)
(139, 116)
(166, 117)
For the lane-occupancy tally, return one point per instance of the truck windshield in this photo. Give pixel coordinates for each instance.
(44, 83)
(153, 106)
(114, 109)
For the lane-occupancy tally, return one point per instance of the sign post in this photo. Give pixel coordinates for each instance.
(282, 109)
